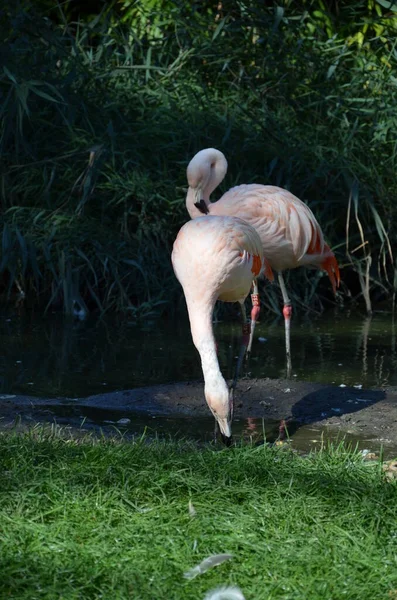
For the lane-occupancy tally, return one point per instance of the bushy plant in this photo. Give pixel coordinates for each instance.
(102, 109)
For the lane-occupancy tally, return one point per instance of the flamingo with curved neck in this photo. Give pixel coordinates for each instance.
(290, 234)
(216, 258)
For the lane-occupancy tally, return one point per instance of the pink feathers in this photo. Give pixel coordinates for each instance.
(289, 232)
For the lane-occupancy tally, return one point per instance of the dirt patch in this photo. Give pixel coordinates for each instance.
(353, 411)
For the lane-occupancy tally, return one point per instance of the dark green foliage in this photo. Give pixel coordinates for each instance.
(101, 111)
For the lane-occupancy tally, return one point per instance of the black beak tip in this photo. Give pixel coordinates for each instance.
(203, 208)
(226, 440)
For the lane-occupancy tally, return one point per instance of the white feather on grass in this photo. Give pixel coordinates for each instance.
(207, 563)
(192, 510)
(225, 593)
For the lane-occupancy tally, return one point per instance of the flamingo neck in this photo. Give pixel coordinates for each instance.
(204, 340)
(209, 362)
(216, 391)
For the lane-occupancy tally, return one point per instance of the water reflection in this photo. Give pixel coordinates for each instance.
(54, 356)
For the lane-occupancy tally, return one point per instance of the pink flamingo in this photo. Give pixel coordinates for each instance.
(216, 258)
(290, 235)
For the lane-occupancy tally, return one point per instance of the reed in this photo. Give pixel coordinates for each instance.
(101, 113)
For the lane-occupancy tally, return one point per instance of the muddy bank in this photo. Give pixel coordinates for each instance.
(357, 412)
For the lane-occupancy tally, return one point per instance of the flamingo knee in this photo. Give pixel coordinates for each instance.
(287, 311)
(256, 307)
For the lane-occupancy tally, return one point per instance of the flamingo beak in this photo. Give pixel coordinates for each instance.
(226, 440)
(225, 427)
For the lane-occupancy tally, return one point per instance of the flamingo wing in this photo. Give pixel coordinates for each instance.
(290, 233)
(218, 257)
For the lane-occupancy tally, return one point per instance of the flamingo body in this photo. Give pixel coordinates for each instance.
(289, 232)
(216, 258)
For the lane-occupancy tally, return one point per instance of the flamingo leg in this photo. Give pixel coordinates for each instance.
(244, 343)
(256, 308)
(287, 312)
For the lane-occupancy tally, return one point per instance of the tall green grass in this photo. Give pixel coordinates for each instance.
(100, 116)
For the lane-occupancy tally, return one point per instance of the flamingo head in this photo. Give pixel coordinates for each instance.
(220, 401)
(204, 172)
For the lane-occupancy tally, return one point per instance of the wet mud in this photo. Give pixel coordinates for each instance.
(307, 409)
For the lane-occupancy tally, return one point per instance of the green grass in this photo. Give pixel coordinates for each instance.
(109, 519)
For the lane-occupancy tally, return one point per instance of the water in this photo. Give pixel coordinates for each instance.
(54, 356)
(201, 429)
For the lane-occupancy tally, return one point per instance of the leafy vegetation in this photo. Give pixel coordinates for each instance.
(109, 518)
(101, 111)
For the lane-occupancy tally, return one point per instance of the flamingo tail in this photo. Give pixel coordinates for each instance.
(330, 265)
(267, 270)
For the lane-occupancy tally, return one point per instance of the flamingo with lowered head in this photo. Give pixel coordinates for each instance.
(290, 234)
(216, 258)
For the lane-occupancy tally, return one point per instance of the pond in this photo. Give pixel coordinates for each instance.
(54, 356)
